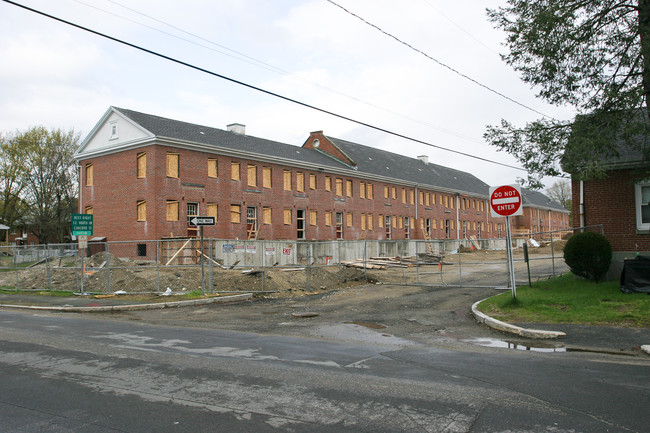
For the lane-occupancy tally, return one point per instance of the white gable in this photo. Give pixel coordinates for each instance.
(113, 132)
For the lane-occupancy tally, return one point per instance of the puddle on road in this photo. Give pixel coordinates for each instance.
(516, 345)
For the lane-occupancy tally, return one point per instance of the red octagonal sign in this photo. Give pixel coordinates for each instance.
(505, 200)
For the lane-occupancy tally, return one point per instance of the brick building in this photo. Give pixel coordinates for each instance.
(144, 177)
(621, 203)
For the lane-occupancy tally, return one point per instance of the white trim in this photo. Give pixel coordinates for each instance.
(638, 203)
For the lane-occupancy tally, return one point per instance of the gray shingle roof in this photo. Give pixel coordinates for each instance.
(175, 129)
(538, 199)
(382, 163)
(370, 161)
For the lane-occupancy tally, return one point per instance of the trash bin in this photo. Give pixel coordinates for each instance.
(635, 276)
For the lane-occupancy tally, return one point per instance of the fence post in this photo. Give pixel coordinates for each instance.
(263, 252)
(553, 256)
(47, 267)
(158, 248)
(308, 268)
(365, 259)
(211, 265)
(460, 266)
(108, 269)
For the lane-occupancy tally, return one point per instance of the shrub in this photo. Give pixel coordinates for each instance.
(588, 255)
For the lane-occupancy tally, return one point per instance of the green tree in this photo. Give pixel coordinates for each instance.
(48, 178)
(12, 169)
(591, 55)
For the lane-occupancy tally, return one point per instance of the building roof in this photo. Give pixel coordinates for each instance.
(368, 161)
(177, 130)
(532, 198)
(378, 162)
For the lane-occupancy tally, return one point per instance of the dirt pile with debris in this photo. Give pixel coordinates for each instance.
(107, 274)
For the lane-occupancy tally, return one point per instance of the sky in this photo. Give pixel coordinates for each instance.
(311, 51)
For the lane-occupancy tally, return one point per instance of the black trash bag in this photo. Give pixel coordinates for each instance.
(635, 276)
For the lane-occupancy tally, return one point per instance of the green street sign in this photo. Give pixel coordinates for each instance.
(82, 224)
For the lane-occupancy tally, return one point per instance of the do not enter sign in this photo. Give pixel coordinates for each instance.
(505, 200)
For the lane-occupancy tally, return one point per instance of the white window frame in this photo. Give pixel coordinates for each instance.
(114, 129)
(638, 202)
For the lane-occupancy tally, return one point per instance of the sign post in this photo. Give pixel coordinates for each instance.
(505, 201)
(201, 221)
(82, 226)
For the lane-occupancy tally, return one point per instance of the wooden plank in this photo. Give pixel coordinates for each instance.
(178, 252)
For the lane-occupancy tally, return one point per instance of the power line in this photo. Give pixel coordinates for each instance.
(256, 62)
(250, 86)
(417, 50)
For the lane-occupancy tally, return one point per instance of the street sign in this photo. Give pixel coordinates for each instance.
(202, 221)
(505, 201)
(82, 224)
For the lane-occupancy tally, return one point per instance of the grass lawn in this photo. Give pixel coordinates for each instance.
(567, 299)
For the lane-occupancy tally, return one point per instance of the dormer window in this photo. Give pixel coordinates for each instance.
(114, 130)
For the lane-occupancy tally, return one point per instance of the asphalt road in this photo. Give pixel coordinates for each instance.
(66, 372)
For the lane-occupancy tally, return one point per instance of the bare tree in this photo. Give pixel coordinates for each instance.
(560, 192)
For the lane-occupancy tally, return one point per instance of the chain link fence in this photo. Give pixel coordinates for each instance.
(223, 266)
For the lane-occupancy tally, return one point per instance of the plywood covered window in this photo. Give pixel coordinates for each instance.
(172, 210)
(421, 197)
(141, 206)
(412, 196)
(339, 187)
(381, 221)
(328, 183)
(266, 215)
(89, 210)
(212, 168)
(386, 192)
(312, 181)
(363, 221)
(266, 177)
(212, 210)
(300, 182)
(427, 199)
(235, 213)
(252, 175)
(370, 223)
(172, 165)
(89, 174)
(287, 216)
(348, 188)
(369, 192)
(362, 189)
(328, 218)
(393, 193)
(141, 163)
(286, 180)
(404, 195)
(235, 171)
(394, 222)
(348, 219)
(313, 217)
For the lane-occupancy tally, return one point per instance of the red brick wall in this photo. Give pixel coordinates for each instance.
(117, 190)
(611, 202)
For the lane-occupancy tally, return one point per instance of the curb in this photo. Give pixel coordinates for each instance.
(506, 327)
(135, 307)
